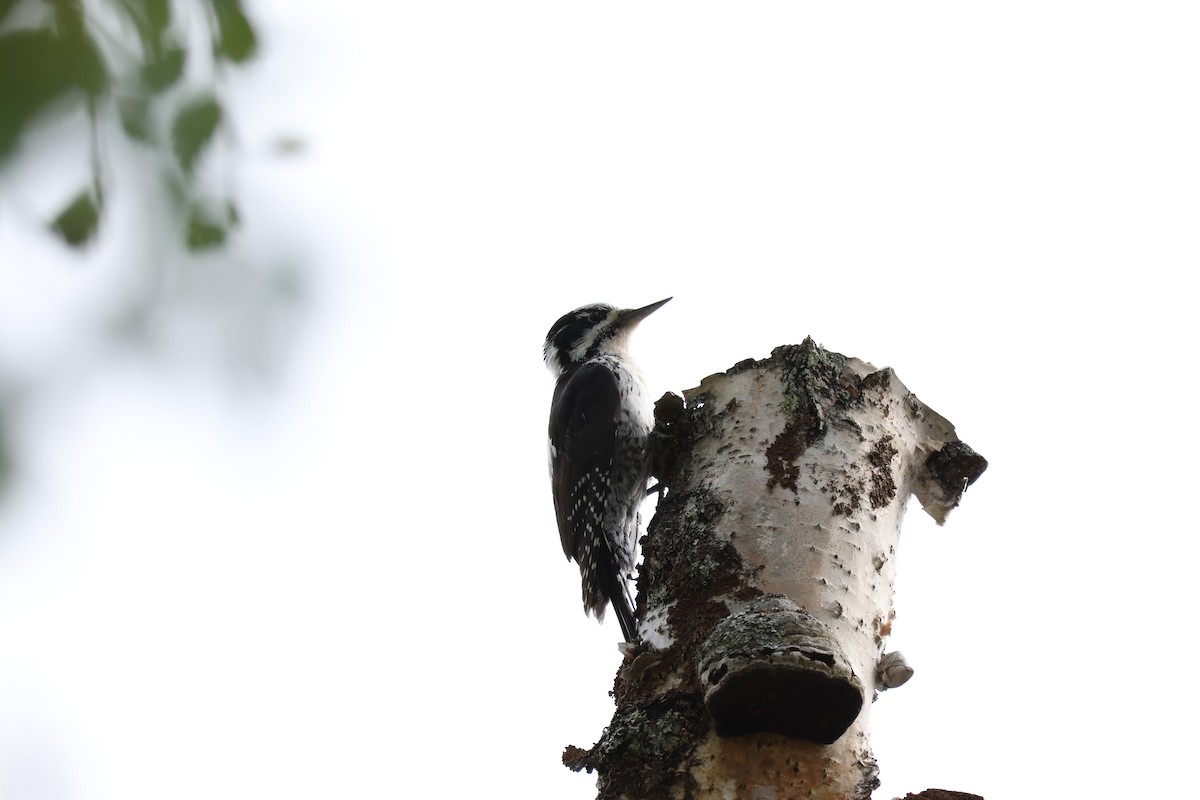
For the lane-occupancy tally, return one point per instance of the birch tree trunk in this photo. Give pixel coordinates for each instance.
(765, 593)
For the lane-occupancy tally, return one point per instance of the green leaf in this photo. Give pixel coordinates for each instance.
(77, 223)
(67, 17)
(203, 233)
(236, 40)
(194, 128)
(90, 71)
(151, 18)
(206, 230)
(162, 72)
(33, 72)
(157, 14)
(79, 49)
(135, 117)
(38, 66)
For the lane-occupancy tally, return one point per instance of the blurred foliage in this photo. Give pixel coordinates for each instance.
(77, 223)
(139, 57)
(194, 127)
(143, 78)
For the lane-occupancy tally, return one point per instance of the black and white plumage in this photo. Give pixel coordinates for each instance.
(600, 421)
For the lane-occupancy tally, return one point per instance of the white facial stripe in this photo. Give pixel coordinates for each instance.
(589, 338)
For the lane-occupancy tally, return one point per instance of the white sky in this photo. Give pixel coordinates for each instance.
(354, 588)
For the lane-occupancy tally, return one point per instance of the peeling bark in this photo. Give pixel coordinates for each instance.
(765, 594)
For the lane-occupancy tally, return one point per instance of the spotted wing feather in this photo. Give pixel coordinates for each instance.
(586, 408)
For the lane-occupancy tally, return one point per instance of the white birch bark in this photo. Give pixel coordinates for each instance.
(766, 591)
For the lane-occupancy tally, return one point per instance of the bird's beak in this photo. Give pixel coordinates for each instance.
(631, 317)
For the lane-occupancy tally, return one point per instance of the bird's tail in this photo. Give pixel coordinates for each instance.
(623, 606)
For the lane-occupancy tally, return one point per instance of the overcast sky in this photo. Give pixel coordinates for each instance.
(353, 587)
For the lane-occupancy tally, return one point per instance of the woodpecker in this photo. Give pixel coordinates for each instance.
(600, 421)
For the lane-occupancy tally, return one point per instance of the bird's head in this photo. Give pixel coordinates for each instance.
(589, 331)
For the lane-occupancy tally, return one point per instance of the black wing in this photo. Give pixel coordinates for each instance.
(583, 427)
